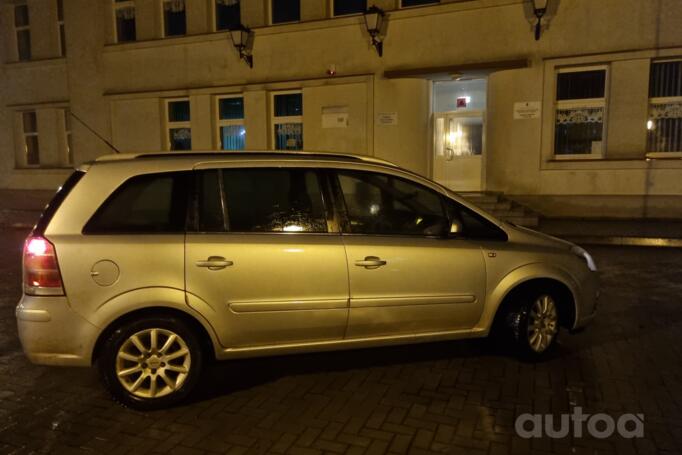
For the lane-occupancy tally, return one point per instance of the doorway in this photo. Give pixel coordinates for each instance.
(459, 134)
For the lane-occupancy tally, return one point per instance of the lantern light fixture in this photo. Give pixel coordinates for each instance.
(240, 36)
(374, 20)
(539, 10)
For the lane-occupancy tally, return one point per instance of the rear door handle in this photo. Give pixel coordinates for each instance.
(215, 263)
(370, 262)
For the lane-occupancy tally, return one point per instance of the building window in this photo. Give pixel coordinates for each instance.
(227, 14)
(408, 3)
(664, 127)
(124, 14)
(68, 145)
(286, 11)
(30, 132)
(178, 125)
(231, 130)
(174, 18)
(60, 24)
(345, 7)
(580, 112)
(23, 30)
(287, 121)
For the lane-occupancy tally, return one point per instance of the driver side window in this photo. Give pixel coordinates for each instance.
(388, 205)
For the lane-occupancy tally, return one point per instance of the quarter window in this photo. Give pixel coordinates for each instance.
(178, 121)
(345, 7)
(288, 121)
(174, 18)
(124, 15)
(31, 144)
(664, 127)
(388, 205)
(285, 11)
(580, 112)
(23, 32)
(151, 204)
(227, 14)
(261, 200)
(474, 226)
(231, 130)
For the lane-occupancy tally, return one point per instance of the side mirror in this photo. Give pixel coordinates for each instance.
(456, 228)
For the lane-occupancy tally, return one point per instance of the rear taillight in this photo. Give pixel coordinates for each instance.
(41, 272)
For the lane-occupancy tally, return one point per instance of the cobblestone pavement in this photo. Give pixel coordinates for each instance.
(454, 397)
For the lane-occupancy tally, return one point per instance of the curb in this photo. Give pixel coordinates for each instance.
(653, 242)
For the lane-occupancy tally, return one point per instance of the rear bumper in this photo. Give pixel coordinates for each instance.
(52, 334)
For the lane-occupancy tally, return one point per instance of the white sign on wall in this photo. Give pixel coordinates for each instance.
(526, 110)
(387, 118)
(335, 117)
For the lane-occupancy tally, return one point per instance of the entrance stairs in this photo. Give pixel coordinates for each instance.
(502, 207)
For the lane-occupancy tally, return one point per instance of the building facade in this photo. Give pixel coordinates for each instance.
(585, 121)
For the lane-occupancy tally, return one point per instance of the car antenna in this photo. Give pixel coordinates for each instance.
(111, 146)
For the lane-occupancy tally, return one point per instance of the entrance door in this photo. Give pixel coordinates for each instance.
(459, 148)
(459, 128)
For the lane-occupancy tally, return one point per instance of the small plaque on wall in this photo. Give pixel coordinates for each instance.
(335, 117)
(526, 110)
(387, 118)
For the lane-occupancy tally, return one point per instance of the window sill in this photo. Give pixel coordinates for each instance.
(53, 169)
(54, 61)
(664, 155)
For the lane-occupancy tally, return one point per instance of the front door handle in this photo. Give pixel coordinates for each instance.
(370, 262)
(215, 263)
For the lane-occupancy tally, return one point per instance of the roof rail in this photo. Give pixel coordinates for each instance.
(222, 153)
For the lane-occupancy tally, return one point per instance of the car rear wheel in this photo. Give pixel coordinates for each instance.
(151, 363)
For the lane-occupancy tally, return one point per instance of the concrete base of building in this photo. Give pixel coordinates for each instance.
(603, 206)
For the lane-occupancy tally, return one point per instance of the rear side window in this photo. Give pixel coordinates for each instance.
(261, 200)
(145, 204)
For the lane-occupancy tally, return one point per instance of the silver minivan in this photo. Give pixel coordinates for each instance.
(148, 266)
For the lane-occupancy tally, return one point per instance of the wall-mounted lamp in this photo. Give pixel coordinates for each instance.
(539, 9)
(240, 39)
(374, 19)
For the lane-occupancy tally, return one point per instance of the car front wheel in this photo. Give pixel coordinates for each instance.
(535, 324)
(151, 363)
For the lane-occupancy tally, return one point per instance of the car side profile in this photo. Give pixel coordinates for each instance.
(148, 266)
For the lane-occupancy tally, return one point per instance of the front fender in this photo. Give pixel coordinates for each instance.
(516, 277)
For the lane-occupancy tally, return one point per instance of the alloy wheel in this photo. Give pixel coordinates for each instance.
(153, 363)
(543, 323)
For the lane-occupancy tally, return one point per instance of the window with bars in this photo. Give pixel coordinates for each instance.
(30, 133)
(124, 17)
(409, 3)
(60, 25)
(174, 18)
(227, 14)
(23, 31)
(231, 130)
(664, 126)
(178, 125)
(580, 112)
(283, 11)
(287, 119)
(346, 7)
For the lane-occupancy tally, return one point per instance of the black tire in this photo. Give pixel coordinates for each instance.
(530, 331)
(158, 366)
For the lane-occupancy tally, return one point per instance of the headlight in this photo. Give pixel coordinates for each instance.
(581, 253)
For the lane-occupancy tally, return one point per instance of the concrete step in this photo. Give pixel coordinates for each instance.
(527, 221)
(480, 198)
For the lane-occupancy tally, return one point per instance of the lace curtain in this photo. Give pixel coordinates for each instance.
(174, 6)
(580, 115)
(126, 13)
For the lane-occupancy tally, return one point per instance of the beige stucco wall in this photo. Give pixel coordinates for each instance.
(118, 88)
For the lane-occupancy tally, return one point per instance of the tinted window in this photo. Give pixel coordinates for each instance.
(273, 200)
(210, 205)
(474, 226)
(227, 14)
(383, 204)
(406, 3)
(154, 203)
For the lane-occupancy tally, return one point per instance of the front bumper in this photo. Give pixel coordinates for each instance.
(53, 334)
(586, 308)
